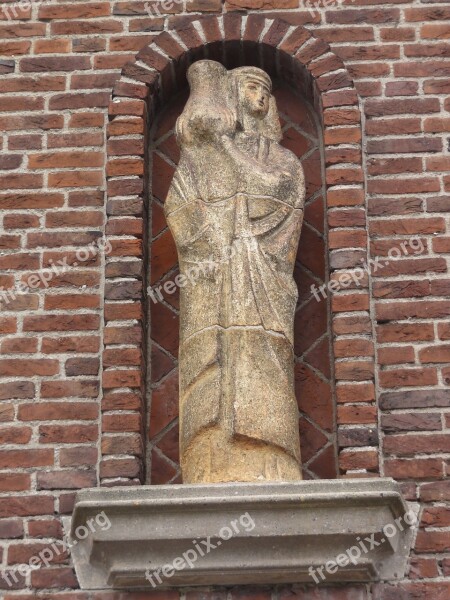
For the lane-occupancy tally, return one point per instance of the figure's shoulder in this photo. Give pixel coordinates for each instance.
(286, 156)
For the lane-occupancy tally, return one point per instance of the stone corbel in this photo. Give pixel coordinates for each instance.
(298, 532)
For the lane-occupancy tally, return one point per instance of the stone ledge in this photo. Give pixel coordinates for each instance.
(296, 525)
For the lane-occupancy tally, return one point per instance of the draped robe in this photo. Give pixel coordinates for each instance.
(235, 209)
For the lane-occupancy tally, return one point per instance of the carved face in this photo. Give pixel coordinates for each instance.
(255, 97)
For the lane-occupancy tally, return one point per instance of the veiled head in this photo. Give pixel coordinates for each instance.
(254, 100)
(255, 88)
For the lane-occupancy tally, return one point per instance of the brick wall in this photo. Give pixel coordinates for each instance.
(63, 428)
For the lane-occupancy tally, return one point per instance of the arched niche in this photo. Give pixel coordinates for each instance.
(321, 124)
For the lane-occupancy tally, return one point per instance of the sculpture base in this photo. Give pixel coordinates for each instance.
(233, 534)
(216, 458)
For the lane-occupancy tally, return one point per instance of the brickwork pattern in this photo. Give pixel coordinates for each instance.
(58, 64)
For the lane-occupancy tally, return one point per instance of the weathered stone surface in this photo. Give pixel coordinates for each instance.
(235, 209)
(262, 533)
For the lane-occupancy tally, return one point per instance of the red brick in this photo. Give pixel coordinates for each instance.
(54, 64)
(61, 577)
(438, 491)
(86, 388)
(21, 506)
(82, 366)
(67, 434)
(419, 468)
(50, 411)
(363, 459)
(130, 444)
(28, 368)
(61, 160)
(385, 166)
(260, 4)
(342, 135)
(66, 480)
(123, 467)
(396, 355)
(434, 68)
(444, 331)
(405, 332)
(21, 553)
(361, 392)
(404, 145)
(432, 541)
(63, 179)
(78, 456)
(37, 200)
(411, 445)
(120, 423)
(350, 302)
(20, 221)
(60, 46)
(125, 166)
(15, 482)
(379, 108)
(435, 31)
(14, 48)
(423, 568)
(354, 371)
(437, 125)
(408, 377)
(412, 591)
(353, 16)
(429, 13)
(436, 516)
(410, 226)
(89, 119)
(130, 7)
(393, 127)
(411, 421)
(15, 435)
(121, 378)
(61, 323)
(346, 348)
(11, 529)
(45, 528)
(312, 51)
(121, 357)
(79, 344)
(24, 459)
(349, 415)
(435, 354)
(82, 10)
(397, 34)
(79, 100)
(121, 401)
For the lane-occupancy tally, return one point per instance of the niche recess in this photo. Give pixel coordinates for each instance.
(314, 370)
(321, 124)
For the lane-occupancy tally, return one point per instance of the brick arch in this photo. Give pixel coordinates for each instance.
(147, 84)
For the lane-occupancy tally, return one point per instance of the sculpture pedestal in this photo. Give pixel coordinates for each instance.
(266, 533)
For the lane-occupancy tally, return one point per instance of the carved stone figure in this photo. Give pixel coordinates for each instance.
(235, 209)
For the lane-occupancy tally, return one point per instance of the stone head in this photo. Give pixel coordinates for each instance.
(255, 90)
(256, 107)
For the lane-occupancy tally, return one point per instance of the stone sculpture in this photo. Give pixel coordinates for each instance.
(235, 209)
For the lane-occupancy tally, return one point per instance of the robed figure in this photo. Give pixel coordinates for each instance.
(235, 209)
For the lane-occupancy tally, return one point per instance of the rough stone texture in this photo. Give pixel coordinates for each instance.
(312, 354)
(235, 208)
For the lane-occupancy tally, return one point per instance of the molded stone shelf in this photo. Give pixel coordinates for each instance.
(296, 525)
